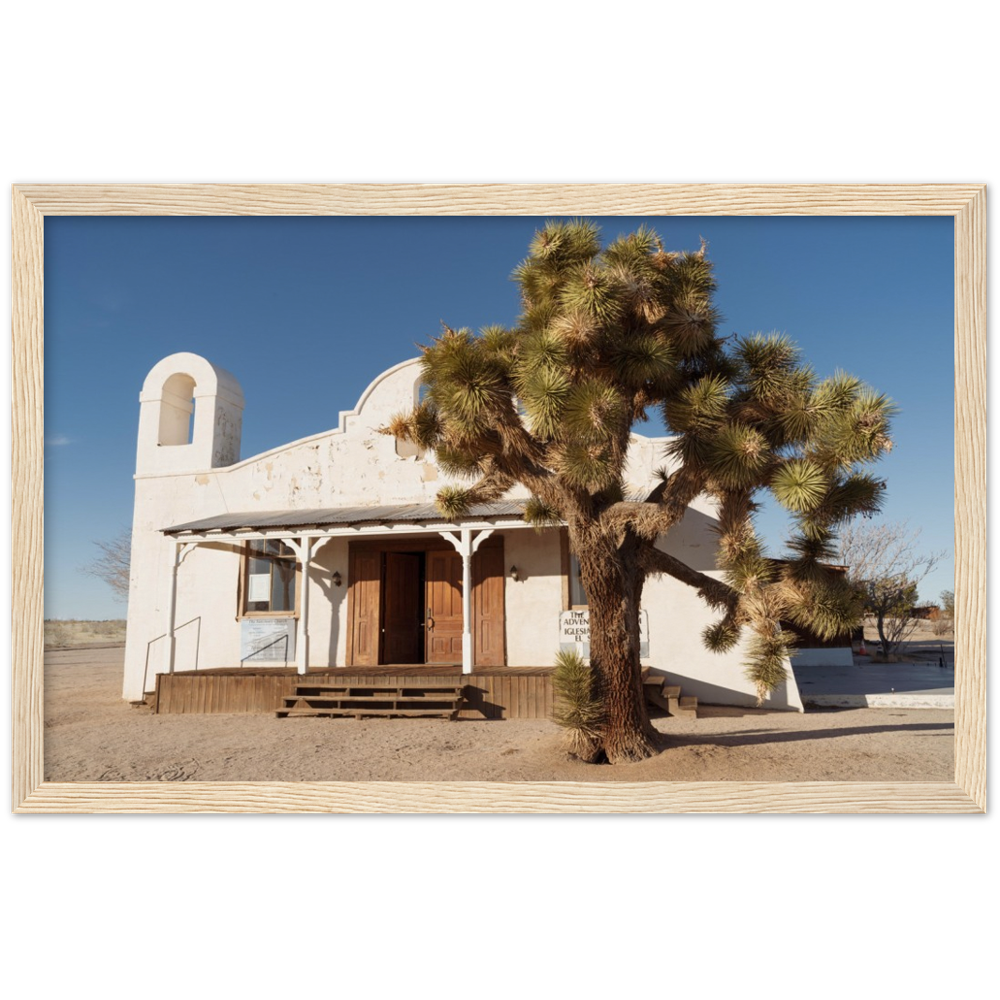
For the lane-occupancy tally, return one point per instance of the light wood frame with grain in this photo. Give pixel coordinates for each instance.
(965, 202)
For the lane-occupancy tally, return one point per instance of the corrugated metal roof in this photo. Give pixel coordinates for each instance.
(345, 516)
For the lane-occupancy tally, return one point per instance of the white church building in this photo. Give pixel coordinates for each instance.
(327, 554)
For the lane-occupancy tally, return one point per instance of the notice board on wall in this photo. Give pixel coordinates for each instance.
(267, 640)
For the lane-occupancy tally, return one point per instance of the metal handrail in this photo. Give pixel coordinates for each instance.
(273, 642)
(197, 648)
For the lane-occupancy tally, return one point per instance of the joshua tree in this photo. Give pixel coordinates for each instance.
(605, 336)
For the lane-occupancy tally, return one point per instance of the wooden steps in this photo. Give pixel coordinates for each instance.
(373, 700)
(668, 696)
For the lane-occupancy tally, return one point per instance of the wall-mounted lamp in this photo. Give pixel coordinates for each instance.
(513, 573)
(337, 578)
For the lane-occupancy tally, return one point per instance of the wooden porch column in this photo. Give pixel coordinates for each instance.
(303, 549)
(302, 642)
(466, 546)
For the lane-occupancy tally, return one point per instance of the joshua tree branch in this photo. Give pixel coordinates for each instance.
(715, 592)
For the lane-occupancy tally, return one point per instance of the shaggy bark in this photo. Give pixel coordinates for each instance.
(614, 581)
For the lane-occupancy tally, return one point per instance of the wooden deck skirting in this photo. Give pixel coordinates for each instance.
(491, 692)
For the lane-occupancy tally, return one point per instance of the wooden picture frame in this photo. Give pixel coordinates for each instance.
(966, 203)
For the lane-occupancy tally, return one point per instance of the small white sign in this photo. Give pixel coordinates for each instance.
(574, 633)
(259, 587)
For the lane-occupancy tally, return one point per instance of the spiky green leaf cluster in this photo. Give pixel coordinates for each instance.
(593, 412)
(454, 501)
(720, 637)
(585, 467)
(738, 455)
(421, 426)
(750, 569)
(767, 656)
(799, 485)
(578, 708)
(543, 396)
(541, 515)
(828, 609)
(457, 462)
(699, 409)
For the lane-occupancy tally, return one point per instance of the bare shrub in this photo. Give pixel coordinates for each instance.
(112, 565)
(886, 566)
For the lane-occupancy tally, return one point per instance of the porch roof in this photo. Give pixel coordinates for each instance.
(346, 518)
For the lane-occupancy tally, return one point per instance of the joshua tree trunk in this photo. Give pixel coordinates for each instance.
(614, 586)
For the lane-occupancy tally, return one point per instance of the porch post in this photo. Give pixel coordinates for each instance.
(466, 547)
(181, 549)
(466, 551)
(302, 641)
(172, 609)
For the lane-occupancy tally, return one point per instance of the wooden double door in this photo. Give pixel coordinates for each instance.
(405, 604)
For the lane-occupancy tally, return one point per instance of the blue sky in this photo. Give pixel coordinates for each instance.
(306, 311)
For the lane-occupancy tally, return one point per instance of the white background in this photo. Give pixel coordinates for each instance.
(502, 911)
(526, 85)
(491, 906)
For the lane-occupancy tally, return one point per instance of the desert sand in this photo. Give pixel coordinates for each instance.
(92, 735)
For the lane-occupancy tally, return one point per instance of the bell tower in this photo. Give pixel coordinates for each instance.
(190, 417)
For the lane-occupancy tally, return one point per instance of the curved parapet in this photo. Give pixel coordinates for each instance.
(396, 390)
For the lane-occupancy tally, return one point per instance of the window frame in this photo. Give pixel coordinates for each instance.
(574, 569)
(568, 562)
(245, 557)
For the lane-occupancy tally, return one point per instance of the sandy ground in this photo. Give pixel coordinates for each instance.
(91, 734)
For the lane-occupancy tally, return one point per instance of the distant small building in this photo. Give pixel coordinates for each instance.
(327, 553)
(926, 612)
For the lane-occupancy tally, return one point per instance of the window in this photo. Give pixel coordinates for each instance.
(269, 571)
(408, 449)
(574, 596)
(577, 595)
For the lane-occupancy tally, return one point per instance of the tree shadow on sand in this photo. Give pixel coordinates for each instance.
(757, 737)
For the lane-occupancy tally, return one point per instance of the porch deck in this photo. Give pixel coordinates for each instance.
(491, 692)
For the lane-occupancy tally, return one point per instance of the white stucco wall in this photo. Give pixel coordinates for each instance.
(534, 600)
(838, 656)
(354, 465)
(329, 625)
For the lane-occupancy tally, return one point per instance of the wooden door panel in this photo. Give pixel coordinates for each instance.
(363, 597)
(443, 607)
(488, 606)
(402, 632)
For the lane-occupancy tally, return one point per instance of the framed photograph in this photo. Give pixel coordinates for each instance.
(31, 203)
